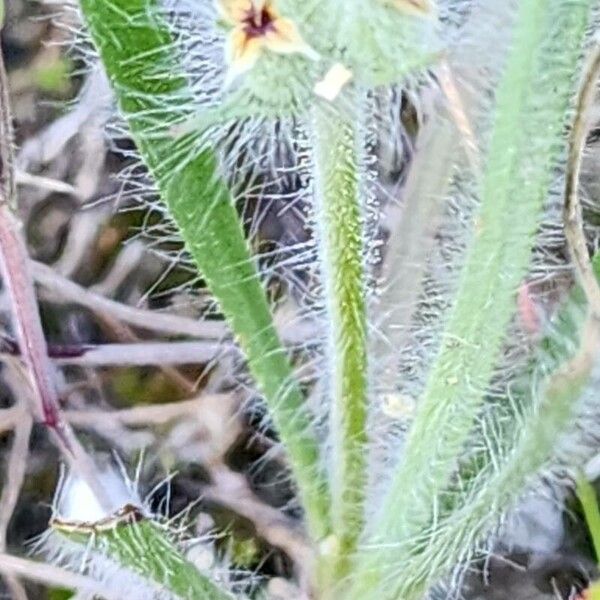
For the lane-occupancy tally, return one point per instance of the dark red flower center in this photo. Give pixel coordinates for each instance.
(258, 22)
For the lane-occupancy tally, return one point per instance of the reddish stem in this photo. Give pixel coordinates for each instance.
(14, 266)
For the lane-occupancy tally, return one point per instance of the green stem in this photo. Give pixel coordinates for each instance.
(530, 112)
(495, 482)
(455, 537)
(139, 55)
(531, 105)
(340, 234)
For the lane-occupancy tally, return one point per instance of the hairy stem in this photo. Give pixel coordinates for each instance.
(340, 233)
(547, 423)
(456, 536)
(512, 200)
(531, 103)
(502, 475)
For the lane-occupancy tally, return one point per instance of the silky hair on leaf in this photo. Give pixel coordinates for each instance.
(416, 145)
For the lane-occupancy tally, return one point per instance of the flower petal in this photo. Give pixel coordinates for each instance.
(241, 53)
(286, 39)
(234, 11)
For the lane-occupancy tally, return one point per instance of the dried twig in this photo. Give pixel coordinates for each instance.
(15, 474)
(458, 111)
(84, 226)
(15, 269)
(14, 265)
(125, 263)
(232, 490)
(573, 216)
(17, 376)
(54, 576)
(45, 183)
(95, 99)
(65, 289)
(15, 587)
(9, 417)
(17, 460)
(582, 363)
(151, 353)
(60, 287)
(126, 354)
(11, 489)
(138, 415)
(124, 334)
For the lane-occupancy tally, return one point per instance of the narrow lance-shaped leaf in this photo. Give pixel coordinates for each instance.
(340, 233)
(140, 58)
(138, 544)
(531, 105)
(495, 483)
(591, 511)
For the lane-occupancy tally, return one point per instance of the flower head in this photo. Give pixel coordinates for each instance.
(256, 26)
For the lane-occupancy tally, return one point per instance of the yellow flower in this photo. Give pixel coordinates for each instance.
(256, 26)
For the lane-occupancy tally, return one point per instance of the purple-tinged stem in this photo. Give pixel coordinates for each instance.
(18, 281)
(14, 266)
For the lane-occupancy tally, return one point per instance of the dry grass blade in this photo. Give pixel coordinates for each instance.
(63, 288)
(232, 490)
(573, 216)
(15, 270)
(54, 576)
(15, 474)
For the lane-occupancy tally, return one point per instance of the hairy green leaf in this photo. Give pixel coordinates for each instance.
(140, 57)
